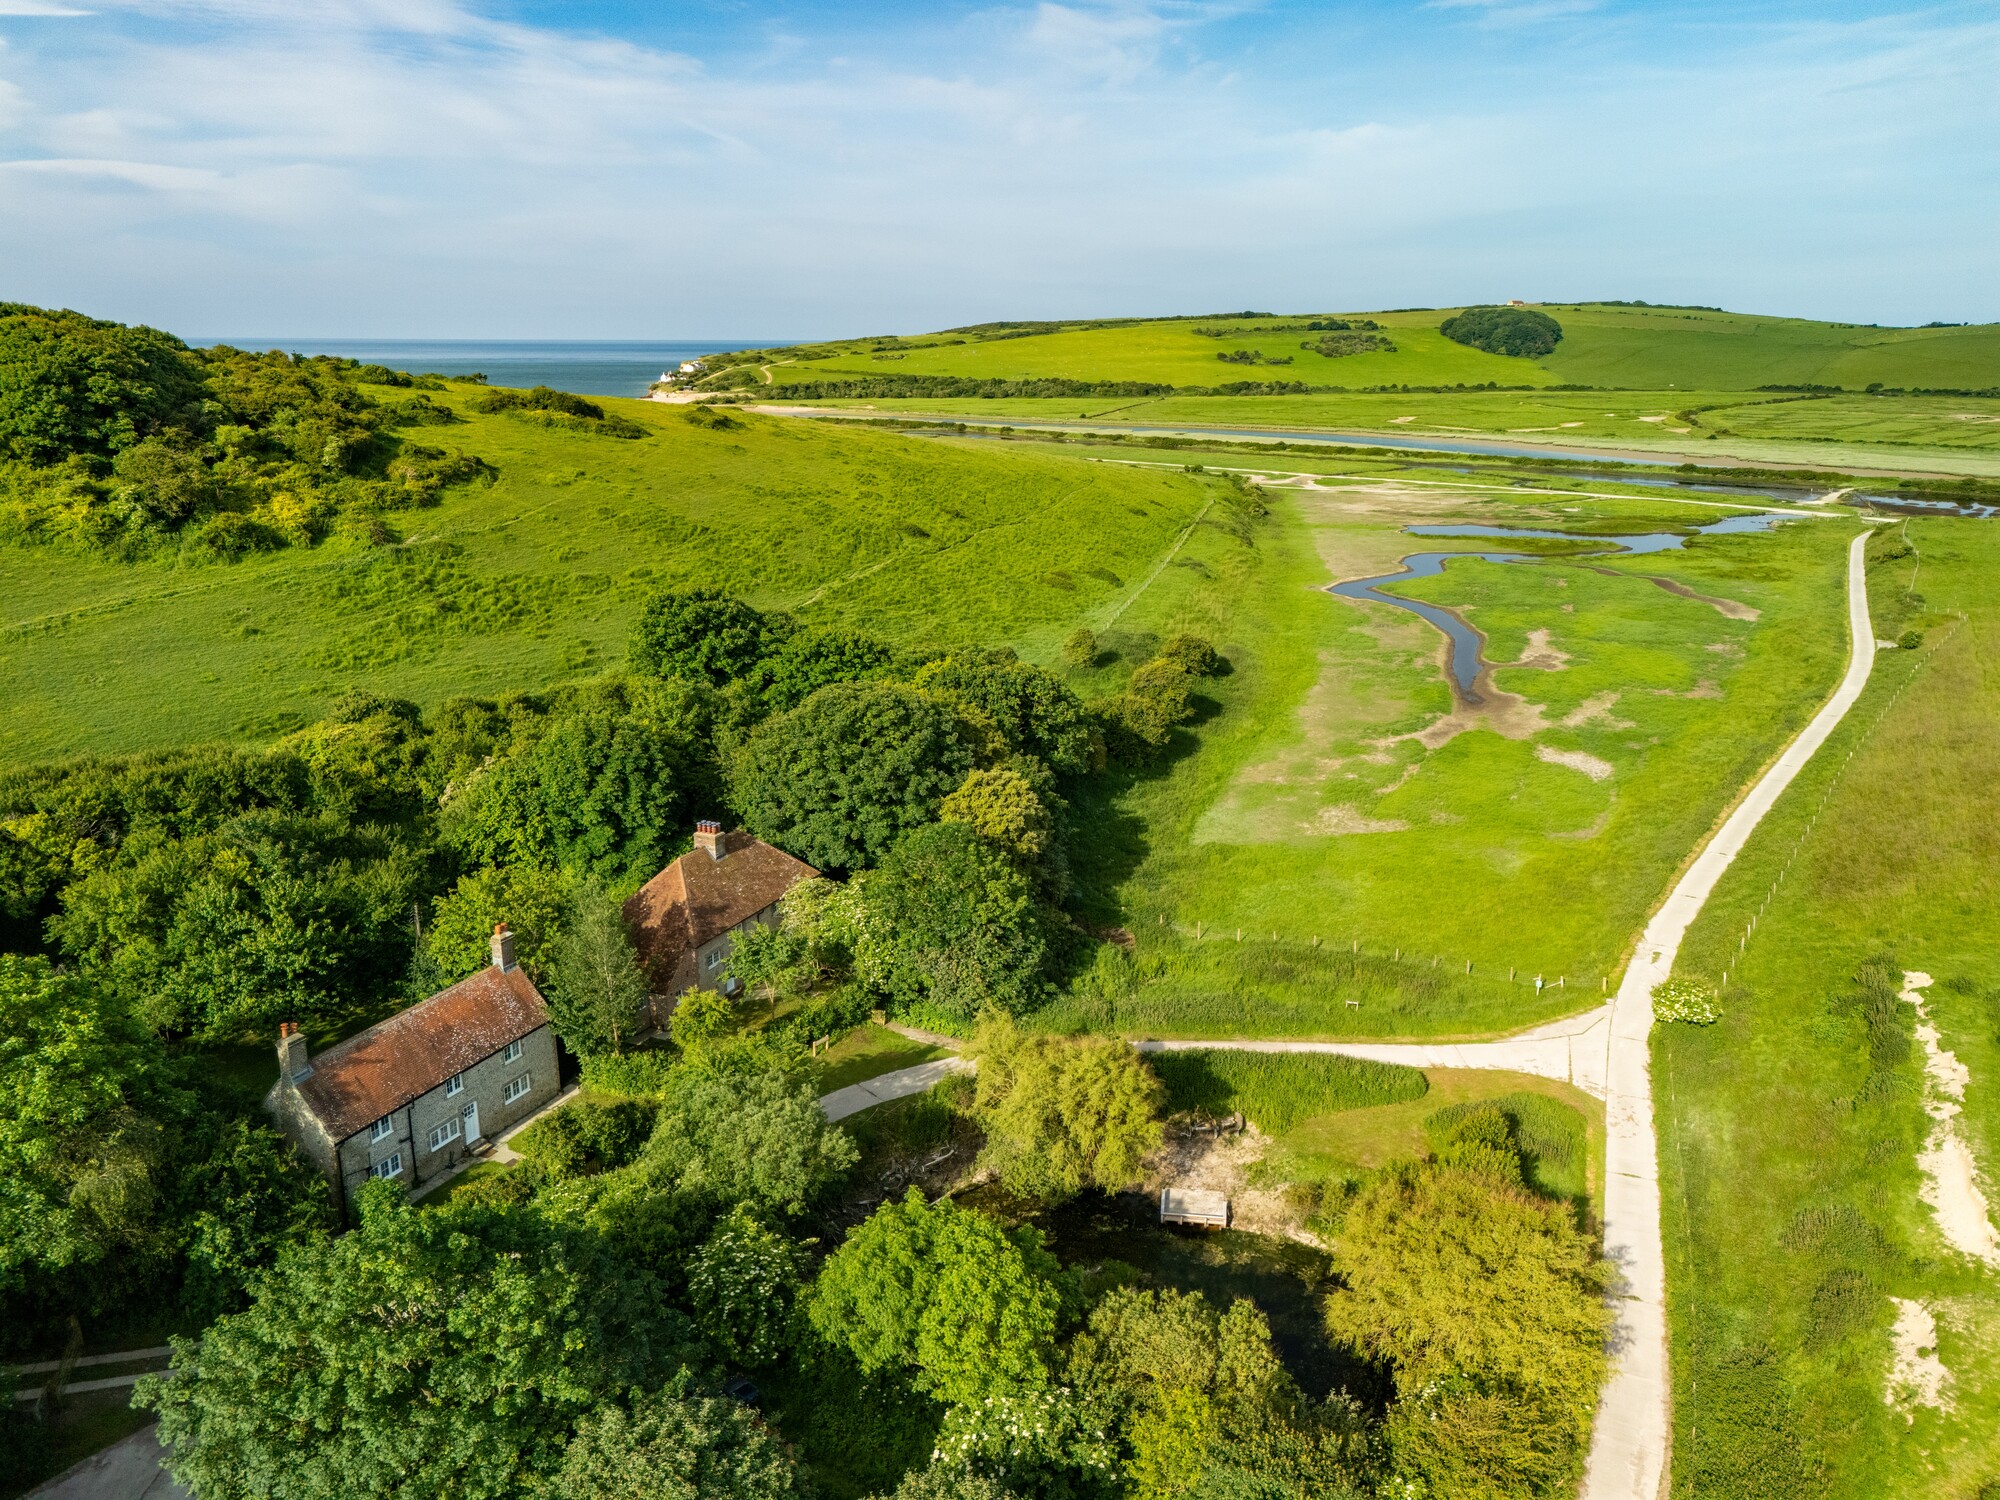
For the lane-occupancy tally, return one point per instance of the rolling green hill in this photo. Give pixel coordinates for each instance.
(1644, 348)
(508, 586)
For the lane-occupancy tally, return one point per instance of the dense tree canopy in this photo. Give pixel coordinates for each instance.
(1033, 712)
(699, 633)
(452, 1351)
(1519, 331)
(595, 987)
(671, 1446)
(730, 1135)
(950, 921)
(840, 778)
(945, 1292)
(1496, 1390)
(76, 385)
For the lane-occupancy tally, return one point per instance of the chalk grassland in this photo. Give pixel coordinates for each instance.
(1789, 1133)
(1175, 354)
(1634, 348)
(538, 576)
(1534, 841)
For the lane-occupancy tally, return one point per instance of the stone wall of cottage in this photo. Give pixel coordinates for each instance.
(441, 1115)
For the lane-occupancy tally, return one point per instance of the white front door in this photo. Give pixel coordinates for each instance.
(470, 1117)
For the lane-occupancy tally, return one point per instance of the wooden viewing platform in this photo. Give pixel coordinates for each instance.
(1188, 1206)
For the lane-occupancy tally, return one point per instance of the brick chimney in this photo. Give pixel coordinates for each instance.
(708, 837)
(292, 1064)
(503, 947)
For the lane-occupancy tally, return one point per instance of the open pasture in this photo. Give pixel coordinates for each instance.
(1348, 849)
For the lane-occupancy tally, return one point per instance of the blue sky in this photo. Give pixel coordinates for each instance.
(731, 168)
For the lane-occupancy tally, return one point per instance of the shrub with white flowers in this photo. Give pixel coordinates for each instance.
(1686, 1000)
(742, 1284)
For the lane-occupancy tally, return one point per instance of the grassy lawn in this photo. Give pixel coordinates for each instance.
(868, 1052)
(1338, 832)
(538, 577)
(1789, 1132)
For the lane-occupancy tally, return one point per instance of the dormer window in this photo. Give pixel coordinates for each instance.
(454, 1085)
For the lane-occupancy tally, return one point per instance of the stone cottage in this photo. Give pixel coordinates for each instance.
(685, 919)
(414, 1096)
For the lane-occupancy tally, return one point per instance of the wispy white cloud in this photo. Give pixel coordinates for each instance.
(421, 166)
(38, 8)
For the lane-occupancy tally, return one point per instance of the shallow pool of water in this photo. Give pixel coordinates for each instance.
(1465, 662)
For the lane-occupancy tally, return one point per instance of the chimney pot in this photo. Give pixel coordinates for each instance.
(503, 947)
(708, 837)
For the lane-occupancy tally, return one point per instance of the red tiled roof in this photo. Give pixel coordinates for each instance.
(698, 897)
(385, 1067)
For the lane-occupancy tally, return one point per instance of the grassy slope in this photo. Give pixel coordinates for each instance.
(1502, 858)
(1778, 1383)
(539, 576)
(1633, 348)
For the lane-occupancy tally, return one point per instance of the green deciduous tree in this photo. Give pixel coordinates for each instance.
(600, 791)
(1495, 1391)
(1033, 711)
(1063, 1114)
(810, 660)
(1206, 1405)
(838, 779)
(700, 1018)
(674, 1445)
(1519, 331)
(1080, 649)
(446, 1351)
(82, 1160)
(273, 917)
(596, 988)
(71, 384)
(1004, 807)
(970, 1308)
(533, 900)
(731, 1135)
(950, 921)
(700, 633)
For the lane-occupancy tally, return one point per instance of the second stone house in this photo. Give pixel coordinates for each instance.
(685, 919)
(409, 1099)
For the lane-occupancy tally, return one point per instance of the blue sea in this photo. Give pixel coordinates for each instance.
(588, 367)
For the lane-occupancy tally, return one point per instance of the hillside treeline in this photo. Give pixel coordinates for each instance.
(124, 439)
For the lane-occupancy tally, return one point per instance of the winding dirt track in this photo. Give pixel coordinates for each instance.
(1605, 1052)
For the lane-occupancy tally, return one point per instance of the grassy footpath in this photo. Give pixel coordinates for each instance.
(1789, 1131)
(537, 577)
(1533, 842)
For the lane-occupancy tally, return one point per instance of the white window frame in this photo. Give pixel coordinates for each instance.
(514, 1051)
(454, 1086)
(445, 1134)
(388, 1167)
(382, 1129)
(715, 959)
(518, 1088)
